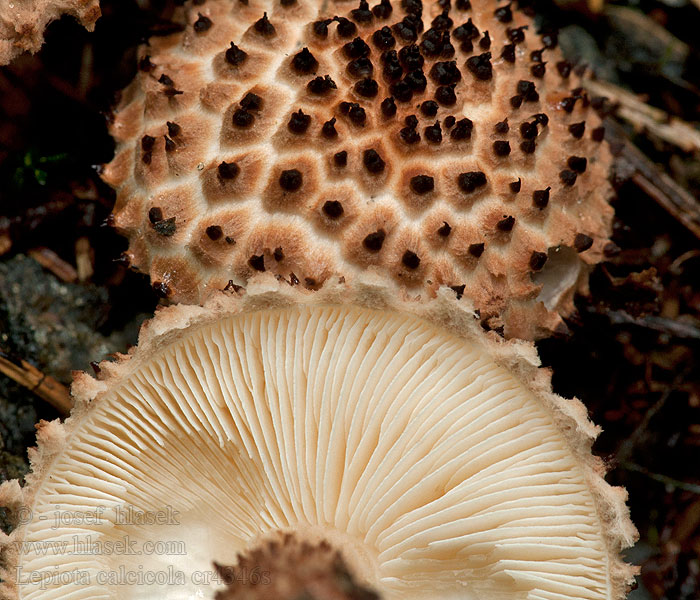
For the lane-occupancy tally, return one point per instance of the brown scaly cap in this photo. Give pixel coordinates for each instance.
(22, 22)
(287, 568)
(436, 143)
(432, 455)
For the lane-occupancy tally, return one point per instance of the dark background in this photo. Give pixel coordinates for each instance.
(632, 354)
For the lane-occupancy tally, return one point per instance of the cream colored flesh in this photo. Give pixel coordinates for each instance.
(433, 469)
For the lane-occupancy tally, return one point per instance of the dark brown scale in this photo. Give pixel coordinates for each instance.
(340, 158)
(228, 170)
(538, 260)
(401, 91)
(229, 240)
(540, 198)
(410, 259)
(170, 92)
(476, 250)
(242, 118)
(146, 158)
(448, 50)
(333, 209)
(582, 242)
(508, 53)
(501, 148)
(569, 103)
(169, 144)
(264, 27)
(429, 108)
(527, 90)
(290, 180)
(516, 34)
(410, 135)
(373, 161)
(503, 14)
(257, 262)
(577, 164)
(374, 241)
(383, 39)
(155, 215)
(528, 130)
(485, 42)
(320, 28)
(480, 66)
(445, 73)
(165, 80)
(433, 133)
(445, 229)
(568, 177)
(598, 134)
(432, 43)
(538, 70)
(467, 46)
(362, 14)
(541, 119)
(406, 30)
(550, 39)
(356, 49)
(146, 65)
(382, 10)
(449, 122)
(173, 129)
(564, 68)
(251, 101)
(467, 31)
(278, 254)
(147, 143)
(515, 186)
(416, 81)
(516, 101)
(299, 122)
(392, 67)
(388, 107)
(412, 7)
(462, 130)
(346, 28)
(445, 95)
(304, 62)
(361, 67)
(528, 146)
(321, 85)
(234, 55)
(442, 21)
(506, 224)
(463, 4)
(288, 3)
(202, 24)
(411, 121)
(328, 130)
(357, 114)
(471, 181)
(367, 88)
(422, 184)
(536, 55)
(214, 232)
(411, 58)
(502, 127)
(577, 129)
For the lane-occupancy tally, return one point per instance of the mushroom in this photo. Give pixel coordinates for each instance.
(22, 22)
(436, 143)
(432, 456)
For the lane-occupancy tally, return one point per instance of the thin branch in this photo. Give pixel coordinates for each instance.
(44, 386)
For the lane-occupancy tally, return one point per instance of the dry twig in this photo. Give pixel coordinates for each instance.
(44, 386)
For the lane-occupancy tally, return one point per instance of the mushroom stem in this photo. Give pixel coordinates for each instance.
(287, 567)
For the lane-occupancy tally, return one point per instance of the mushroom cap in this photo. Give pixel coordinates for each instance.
(312, 139)
(433, 456)
(22, 22)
